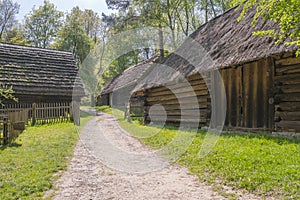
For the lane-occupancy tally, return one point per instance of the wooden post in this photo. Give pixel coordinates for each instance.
(71, 112)
(33, 114)
(75, 112)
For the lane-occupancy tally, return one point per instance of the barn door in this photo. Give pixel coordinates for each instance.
(249, 99)
(256, 105)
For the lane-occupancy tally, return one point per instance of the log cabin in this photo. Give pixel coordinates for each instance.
(118, 90)
(40, 75)
(261, 79)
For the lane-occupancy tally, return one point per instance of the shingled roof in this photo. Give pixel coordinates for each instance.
(223, 42)
(37, 71)
(129, 77)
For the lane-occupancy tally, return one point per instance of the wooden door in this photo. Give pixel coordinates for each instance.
(248, 95)
(257, 109)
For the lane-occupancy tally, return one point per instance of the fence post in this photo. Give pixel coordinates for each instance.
(33, 114)
(75, 108)
(5, 130)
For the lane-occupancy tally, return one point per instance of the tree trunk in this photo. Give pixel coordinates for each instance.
(161, 43)
(93, 103)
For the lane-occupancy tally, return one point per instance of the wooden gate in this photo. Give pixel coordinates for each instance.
(249, 95)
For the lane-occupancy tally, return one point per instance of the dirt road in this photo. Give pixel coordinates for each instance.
(91, 175)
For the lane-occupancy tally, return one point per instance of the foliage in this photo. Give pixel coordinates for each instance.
(258, 163)
(285, 13)
(106, 109)
(6, 93)
(15, 36)
(41, 24)
(174, 20)
(73, 36)
(79, 34)
(8, 11)
(30, 166)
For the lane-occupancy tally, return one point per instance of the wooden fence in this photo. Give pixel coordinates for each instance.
(42, 113)
(4, 129)
(14, 117)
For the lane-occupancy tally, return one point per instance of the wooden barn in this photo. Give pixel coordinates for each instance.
(118, 91)
(40, 76)
(261, 79)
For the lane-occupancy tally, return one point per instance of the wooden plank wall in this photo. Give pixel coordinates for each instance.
(248, 91)
(232, 83)
(287, 98)
(190, 98)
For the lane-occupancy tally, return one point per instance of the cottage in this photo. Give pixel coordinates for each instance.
(118, 91)
(40, 75)
(261, 79)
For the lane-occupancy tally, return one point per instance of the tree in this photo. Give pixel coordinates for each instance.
(285, 13)
(73, 37)
(42, 24)
(6, 93)
(92, 24)
(79, 34)
(15, 36)
(8, 11)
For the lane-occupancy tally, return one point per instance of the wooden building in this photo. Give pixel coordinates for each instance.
(261, 79)
(118, 91)
(40, 75)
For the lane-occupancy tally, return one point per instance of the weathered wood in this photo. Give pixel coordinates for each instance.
(288, 126)
(287, 116)
(254, 99)
(288, 61)
(182, 107)
(179, 91)
(188, 100)
(289, 88)
(287, 79)
(179, 85)
(179, 96)
(176, 119)
(181, 113)
(292, 97)
(269, 116)
(290, 69)
(288, 106)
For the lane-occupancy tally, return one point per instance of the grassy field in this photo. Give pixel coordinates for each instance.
(257, 163)
(29, 166)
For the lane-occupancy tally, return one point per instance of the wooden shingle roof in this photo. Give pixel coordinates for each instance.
(37, 71)
(129, 77)
(222, 42)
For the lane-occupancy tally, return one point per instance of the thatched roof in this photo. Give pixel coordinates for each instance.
(129, 77)
(220, 43)
(36, 71)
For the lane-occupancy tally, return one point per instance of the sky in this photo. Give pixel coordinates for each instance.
(98, 6)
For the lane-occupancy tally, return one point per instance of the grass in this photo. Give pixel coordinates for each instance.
(258, 163)
(30, 165)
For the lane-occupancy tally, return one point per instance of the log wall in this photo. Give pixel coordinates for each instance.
(287, 95)
(185, 102)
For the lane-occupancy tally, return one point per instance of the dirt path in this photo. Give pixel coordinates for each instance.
(88, 176)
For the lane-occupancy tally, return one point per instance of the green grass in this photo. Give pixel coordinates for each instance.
(30, 165)
(105, 109)
(257, 163)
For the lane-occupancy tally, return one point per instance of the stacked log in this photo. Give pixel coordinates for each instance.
(287, 98)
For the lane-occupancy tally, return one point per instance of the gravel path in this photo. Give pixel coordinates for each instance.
(91, 175)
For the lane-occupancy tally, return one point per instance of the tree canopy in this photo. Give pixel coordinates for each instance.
(8, 11)
(41, 25)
